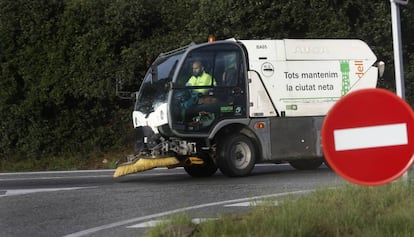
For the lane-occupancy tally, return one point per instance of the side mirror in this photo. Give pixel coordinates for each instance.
(125, 95)
(381, 68)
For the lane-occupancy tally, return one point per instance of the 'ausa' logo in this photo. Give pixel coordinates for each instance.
(310, 50)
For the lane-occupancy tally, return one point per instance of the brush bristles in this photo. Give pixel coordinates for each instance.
(145, 164)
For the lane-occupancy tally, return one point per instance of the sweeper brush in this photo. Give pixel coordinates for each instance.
(143, 164)
(147, 163)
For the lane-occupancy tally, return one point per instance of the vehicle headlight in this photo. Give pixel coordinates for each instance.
(159, 116)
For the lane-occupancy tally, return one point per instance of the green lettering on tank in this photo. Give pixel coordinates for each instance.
(345, 77)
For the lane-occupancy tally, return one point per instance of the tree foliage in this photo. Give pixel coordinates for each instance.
(59, 59)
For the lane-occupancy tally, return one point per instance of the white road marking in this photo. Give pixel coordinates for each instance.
(15, 192)
(251, 204)
(59, 172)
(153, 223)
(199, 220)
(106, 173)
(55, 177)
(371, 137)
(239, 204)
(167, 213)
(146, 224)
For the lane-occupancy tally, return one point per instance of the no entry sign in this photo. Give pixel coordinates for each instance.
(368, 137)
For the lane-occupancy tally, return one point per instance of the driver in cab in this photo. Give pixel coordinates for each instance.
(200, 78)
(198, 107)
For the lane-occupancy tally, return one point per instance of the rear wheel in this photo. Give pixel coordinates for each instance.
(205, 170)
(306, 164)
(236, 155)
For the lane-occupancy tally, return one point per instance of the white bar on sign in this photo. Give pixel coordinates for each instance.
(371, 137)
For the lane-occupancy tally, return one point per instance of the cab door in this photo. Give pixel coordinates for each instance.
(196, 107)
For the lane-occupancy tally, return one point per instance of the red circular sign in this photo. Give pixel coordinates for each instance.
(368, 137)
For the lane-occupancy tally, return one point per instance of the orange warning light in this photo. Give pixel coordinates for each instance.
(260, 125)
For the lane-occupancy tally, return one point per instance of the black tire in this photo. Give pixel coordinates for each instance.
(236, 155)
(205, 170)
(306, 164)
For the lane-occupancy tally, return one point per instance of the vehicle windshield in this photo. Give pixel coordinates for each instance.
(155, 87)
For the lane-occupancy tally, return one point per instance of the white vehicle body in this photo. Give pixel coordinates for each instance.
(306, 77)
(271, 112)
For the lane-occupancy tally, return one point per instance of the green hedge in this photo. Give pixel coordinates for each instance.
(60, 59)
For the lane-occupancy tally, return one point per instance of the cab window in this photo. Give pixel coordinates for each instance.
(202, 98)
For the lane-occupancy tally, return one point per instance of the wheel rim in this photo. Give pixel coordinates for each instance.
(241, 155)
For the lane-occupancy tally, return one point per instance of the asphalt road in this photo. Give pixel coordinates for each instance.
(92, 203)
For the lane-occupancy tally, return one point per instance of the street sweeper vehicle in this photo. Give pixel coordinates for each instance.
(231, 104)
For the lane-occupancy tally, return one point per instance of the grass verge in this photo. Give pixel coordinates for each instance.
(349, 211)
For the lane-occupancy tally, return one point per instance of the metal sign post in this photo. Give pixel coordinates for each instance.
(398, 61)
(396, 34)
